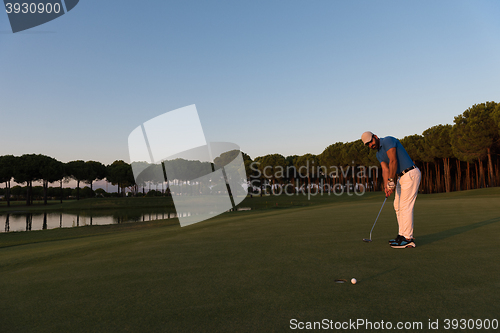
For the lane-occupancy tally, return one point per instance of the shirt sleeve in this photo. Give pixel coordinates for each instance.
(389, 143)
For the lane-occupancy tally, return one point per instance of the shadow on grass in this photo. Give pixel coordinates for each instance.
(428, 239)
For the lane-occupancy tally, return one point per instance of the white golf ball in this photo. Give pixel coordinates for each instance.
(353, 281)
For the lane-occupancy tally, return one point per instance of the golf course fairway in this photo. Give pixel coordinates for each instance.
(269, 270)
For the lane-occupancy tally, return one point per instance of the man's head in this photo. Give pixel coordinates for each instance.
(370, 140)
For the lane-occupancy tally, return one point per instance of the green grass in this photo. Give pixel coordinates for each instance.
(256, 270)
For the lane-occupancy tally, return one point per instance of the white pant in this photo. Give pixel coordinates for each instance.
(406, 194)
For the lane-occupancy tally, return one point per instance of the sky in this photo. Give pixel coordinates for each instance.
(287, 77)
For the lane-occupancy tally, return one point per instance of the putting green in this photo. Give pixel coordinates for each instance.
(258, 270)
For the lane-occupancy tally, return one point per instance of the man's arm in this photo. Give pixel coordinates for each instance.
(389, 171)
(385, 172)
(385, 176)
(393, 163)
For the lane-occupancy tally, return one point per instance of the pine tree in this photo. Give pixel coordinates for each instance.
(474, 135)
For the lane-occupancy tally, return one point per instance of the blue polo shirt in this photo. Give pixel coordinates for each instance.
(404, 160)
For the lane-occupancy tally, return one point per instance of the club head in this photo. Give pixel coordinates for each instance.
(340, 281)
(367, 240)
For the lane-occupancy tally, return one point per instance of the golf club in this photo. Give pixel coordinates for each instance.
(370, 239)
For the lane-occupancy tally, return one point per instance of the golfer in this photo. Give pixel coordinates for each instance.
(395, 161)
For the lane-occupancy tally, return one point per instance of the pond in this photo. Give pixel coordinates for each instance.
(26, 221)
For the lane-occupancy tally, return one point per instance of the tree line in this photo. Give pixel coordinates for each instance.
(18, 193)
(30, 168)
(462, 156)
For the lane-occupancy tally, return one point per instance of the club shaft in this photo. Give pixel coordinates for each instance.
(377, 217)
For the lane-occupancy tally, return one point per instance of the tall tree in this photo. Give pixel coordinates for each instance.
(370, 163)
(247, 160)
(307, 166)
(79, 171)
(496, 116)
(360, 156)
(291, 172)
(26, 171)
(95, 171)
(51, 170)
(496, 119)
(437, 143)
(474, 135)
(142, 174)
(330, 158)
(259, 165)
(120, 173)
(7, 167)
(273, 167)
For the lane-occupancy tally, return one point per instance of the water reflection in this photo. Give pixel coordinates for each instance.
(26, 221)
(29, 221)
